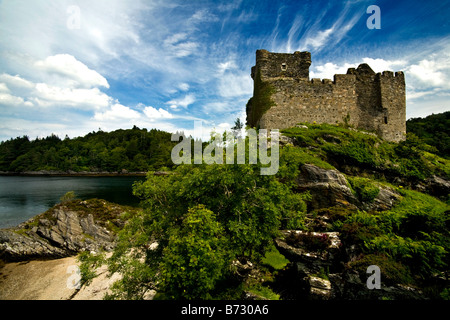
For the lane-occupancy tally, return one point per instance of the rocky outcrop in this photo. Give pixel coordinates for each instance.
(327, 187)
(64, 230)
(317, 271)
(330, 188)
(437, 186)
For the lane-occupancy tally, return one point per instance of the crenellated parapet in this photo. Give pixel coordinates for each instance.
(284, 95)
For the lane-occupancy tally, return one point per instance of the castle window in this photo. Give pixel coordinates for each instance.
(283, 67)
(385, 120)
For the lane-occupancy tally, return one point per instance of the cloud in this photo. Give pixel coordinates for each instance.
(117, 112)
(4, 88)
(153, 113)
(216, 107)
(47, 95)
(66, 66)
(428, 72)
(224, 66)
(235, 85)
(10, 100)
(182, 102)
(178, 46)
(329, 69)
(16, 81)
(203, 15)
(183, 86)
(329, 27)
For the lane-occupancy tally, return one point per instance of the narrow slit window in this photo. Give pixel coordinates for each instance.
(283, 67)
(385, 120)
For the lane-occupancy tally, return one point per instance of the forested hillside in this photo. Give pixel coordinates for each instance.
(433, 130)
(132, 149)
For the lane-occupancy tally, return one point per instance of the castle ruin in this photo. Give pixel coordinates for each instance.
(284, 96)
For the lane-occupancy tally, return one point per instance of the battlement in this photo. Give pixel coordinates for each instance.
(284, 96)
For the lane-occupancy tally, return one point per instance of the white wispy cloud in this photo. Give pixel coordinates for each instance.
(181, 102)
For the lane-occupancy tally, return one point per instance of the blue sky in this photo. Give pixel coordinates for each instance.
(72, 67)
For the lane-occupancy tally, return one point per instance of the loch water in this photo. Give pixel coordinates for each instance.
(22, 197)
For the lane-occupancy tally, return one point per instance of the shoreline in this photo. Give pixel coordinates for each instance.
(79, 174)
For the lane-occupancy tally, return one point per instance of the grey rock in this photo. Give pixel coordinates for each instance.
(63, 234)
(327, 187)
(385, 200)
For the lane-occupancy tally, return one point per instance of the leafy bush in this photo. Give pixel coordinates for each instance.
(434, 131)
(88, 263)
(393, 272)
(364, 189)
(195, 257)
(275, 259)
(423, 257)
(69, 196)
(415, 233)
(231, 209)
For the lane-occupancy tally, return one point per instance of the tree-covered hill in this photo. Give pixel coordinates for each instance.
(433, 130)
(131, 149)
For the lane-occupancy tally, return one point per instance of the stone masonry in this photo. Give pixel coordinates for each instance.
(285, 96)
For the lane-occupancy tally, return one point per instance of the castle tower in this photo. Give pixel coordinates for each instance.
(284, 96)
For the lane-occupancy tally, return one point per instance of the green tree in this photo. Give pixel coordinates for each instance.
(238, 125)
(195, 257)
(231, 209)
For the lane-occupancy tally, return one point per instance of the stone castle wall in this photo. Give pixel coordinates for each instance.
(284, 96)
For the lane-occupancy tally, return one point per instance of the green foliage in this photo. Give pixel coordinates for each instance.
(414, 233)
(195, 257)
(199, 219)
(250, 206)
(88, 263)
(264, 292)
(203, 217)
(423, 257)
(445, 294)
(275, 259)
(364, 189)
(69, 196)
(346, 147)
(434, 130)
(393, 272)
(133, 149)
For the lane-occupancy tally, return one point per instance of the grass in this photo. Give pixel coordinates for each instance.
(343, 147)
(264, 292)
(275, 259)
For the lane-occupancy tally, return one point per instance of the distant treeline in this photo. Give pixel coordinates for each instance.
(434, 130)
(132, 149)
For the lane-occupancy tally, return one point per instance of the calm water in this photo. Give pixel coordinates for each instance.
(24, 197)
